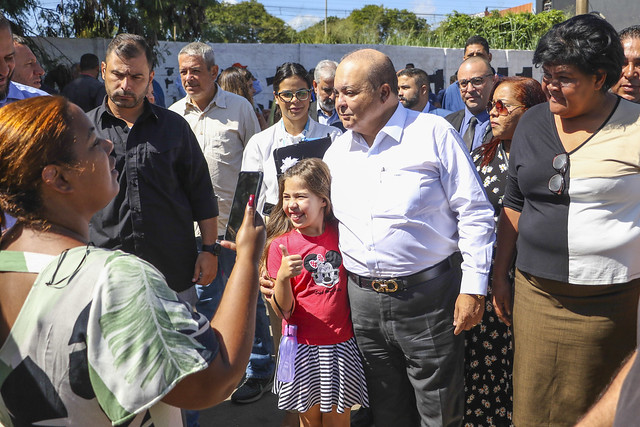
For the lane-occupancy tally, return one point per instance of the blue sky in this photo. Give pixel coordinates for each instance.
(301, 14)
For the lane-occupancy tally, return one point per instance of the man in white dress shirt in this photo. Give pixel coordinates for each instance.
(409, 203)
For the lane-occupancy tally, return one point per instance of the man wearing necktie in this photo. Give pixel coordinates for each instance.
(476, 79)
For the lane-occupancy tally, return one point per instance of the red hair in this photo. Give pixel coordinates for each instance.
(34, 133)
(528, 92)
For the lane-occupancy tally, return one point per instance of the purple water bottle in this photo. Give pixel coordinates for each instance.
(287, 353)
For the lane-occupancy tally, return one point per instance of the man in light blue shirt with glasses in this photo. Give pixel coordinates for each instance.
(476, 79)
(11, 91)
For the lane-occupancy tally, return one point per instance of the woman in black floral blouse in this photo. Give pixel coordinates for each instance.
(488, 349)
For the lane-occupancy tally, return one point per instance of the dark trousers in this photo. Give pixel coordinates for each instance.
(413, 363)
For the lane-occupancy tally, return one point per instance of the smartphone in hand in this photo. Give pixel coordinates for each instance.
(248, 183)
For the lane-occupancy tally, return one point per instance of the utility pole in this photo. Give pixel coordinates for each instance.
(325, 20)
(582, 7)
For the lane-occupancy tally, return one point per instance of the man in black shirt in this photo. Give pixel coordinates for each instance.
(164, 179)
(86, 90)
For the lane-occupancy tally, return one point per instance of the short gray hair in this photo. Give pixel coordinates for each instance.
(202, 50)
(325, 70)
(20, 40)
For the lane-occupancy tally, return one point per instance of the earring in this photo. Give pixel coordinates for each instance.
(49, 173)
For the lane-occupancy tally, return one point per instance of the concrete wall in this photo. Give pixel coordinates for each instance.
(262, 59)
(619, 13)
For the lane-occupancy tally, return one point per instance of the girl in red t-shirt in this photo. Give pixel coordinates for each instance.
(310, 292)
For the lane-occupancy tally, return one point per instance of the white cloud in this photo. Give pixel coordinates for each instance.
(301, 22)
(423, 6)
(230, 1)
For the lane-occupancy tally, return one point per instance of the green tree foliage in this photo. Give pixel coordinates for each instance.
(245, 22)
(370, 25)
(154, 19)
(16, 11)
(512, 31)
(387, 23)
(249, 22)
(378, 25)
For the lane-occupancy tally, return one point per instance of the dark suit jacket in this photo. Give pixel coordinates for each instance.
(456, 121)
(313, 110)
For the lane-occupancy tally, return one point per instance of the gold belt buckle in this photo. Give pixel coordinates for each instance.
(386, 286)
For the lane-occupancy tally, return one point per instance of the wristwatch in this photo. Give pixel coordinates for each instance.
(213, 249)
(478, 297)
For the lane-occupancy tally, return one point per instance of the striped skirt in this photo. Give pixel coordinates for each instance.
(328, 375)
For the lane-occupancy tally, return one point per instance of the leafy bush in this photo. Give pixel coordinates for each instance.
(377, 25)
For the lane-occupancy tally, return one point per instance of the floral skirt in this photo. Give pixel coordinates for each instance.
(488, 360)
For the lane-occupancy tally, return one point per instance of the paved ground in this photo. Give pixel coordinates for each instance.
(263, 413)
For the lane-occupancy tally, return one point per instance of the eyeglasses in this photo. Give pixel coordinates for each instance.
(287, 95)
(476, 82)
(501, 107)
(560, 163)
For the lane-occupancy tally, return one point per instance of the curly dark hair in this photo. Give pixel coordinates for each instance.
(585, 41)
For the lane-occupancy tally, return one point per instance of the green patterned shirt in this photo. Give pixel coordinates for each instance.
(100, 340)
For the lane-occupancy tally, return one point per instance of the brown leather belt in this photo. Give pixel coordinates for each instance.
(396, 284)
